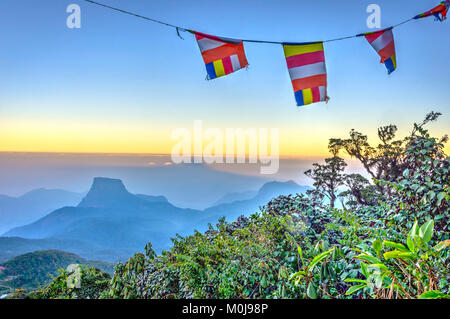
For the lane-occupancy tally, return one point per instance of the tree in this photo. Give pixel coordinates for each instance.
(386, 160)
(360, 191)
(329, 177)
(381, 162)
(421, 191)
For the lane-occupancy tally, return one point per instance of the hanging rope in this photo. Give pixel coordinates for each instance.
(179, 28)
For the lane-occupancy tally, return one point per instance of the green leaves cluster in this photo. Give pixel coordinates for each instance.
(402, 271)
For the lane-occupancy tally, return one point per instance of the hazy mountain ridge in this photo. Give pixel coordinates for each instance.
(184, 185)
(11, 247)
(110, 218)
(16, 211)
(246, 207)
(236, 196)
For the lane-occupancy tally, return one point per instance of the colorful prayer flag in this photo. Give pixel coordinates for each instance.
(307, 69)
(383, 42)
(440, 11)
(222, 56)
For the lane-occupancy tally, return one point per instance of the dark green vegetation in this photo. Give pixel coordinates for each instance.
(93, 284)
(32, 270)
(390, 239)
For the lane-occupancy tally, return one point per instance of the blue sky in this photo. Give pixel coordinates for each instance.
(126, 79)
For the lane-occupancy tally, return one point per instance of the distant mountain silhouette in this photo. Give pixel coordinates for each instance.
(111, 218)
(232, 197)
(11, 247)
(16, 211)
(109, 192)
(185, 185)
(153, 199)
(246, 207)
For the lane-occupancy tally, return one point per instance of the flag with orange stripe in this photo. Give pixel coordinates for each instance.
(221, 55)
(307, 69)
(383, 42)
(439, 12)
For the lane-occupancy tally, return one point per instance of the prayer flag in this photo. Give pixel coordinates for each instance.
(383, 42)
(222, 56)
(307, 69)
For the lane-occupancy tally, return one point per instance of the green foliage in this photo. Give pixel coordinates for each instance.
(404, 272)
(92, 284)
(30, 270)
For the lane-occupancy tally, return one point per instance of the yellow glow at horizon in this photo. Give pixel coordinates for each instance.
(76, 137)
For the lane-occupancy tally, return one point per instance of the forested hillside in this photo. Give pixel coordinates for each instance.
(35, 269)
(390, 239)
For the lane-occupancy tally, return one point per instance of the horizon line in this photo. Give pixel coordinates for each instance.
(144, 154)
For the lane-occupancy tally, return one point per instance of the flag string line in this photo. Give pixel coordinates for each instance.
(179, 28)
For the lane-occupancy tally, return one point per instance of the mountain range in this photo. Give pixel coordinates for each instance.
(16, 211)
(110, 223)
(185, 185)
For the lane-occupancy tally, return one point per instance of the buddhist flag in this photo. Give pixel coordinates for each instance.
(383, 42)
(440, 11)
(306, 65)
(222, 56)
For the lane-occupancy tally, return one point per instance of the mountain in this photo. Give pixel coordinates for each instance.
(153, 199)
(267, 192)
(274, 189)
(16, 211)
(109, 192)
(30, 270)
(14, 246)
(110, 218)
(185, 185)
(232, 197)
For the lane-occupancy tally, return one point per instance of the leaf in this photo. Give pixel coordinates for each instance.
(311, 291)
(263, 282)
(369, 258)
(406, 173)
(377, 246)
(411, 237)
(364, 270)
(355, 280)
(397, 246)
(442, 245)
(426, 231)
(440, 197)
(300, 253)
(398, 254)
(319, 258)
(434, 294)
(353, 289)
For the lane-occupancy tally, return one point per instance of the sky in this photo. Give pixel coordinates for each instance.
(120, 84)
